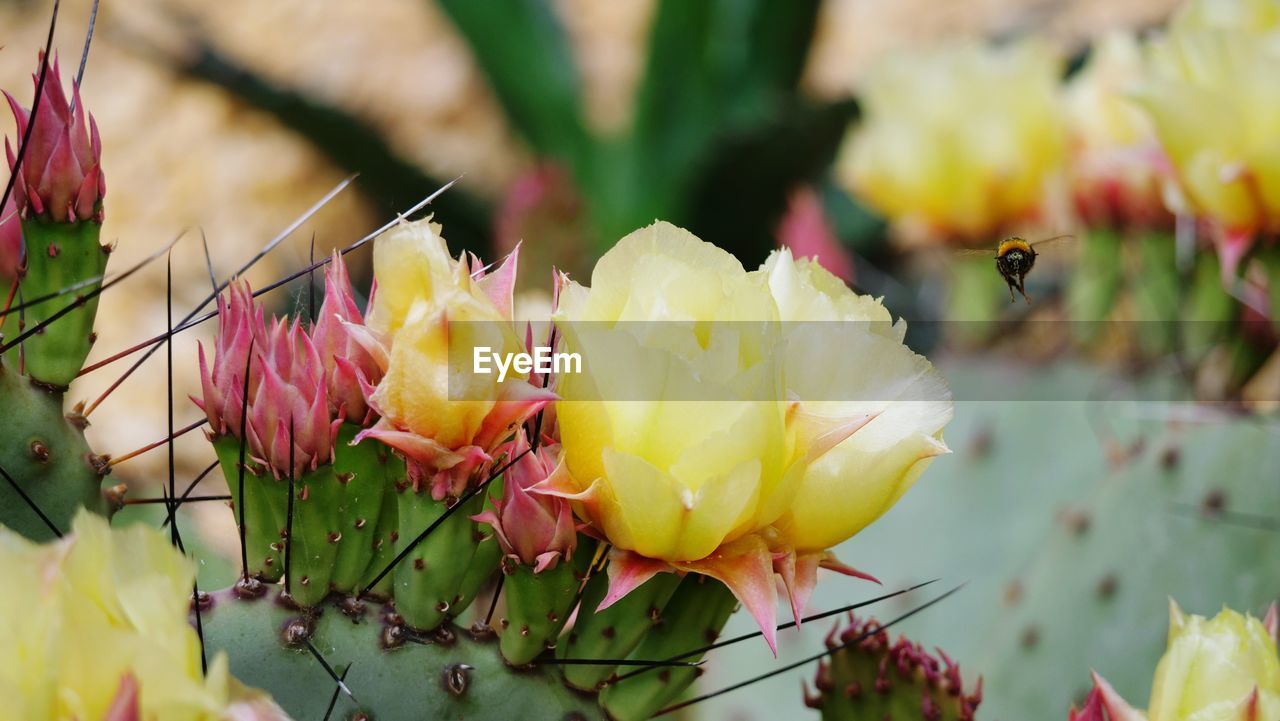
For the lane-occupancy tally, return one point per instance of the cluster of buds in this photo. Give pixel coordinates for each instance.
(301, 386)
(61, 176)
(1225, 668)
(868, 676)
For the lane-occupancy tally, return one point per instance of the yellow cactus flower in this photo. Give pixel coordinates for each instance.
(677, 479)
(845, 359)
(1118, 173)
(956, 142)
(1216, 670)
(1215, 104)
(101, 615)
(734, 424)
(427, 303)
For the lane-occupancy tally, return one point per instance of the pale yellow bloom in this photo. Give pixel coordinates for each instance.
(956, 141)
(421, 291)
(667, 420)
(710, 407)
(77, 615)
(844, 360)
(1213, 666)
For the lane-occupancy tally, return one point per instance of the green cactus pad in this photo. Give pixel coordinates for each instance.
(393, 673)
(428, 582)
(45, 454)
(538, 604)
(692, 618)
(59, 256)
(615, 631)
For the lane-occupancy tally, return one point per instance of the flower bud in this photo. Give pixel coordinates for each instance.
(447, 424)
(534, 529)
(1220, 669)
(288, 402)
(61, 175)
(347, 363)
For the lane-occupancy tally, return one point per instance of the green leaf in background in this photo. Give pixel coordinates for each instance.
(522, 49)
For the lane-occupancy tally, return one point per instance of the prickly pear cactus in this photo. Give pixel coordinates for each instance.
(869, 677)
(389, 670)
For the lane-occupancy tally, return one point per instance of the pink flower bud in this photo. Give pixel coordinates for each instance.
(535, 529)
(287, 393)
(346, 361)
(61, 175)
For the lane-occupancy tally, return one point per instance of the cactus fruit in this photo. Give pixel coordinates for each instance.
(45, 459)
(869, 677)
(393, 672)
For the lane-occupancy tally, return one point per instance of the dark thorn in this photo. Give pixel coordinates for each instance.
(208, 262)
(156, 444)
(790, 667)
(84, 54)
(193, 320)
(170, 501)
(333, 700)
(442, 518)
(187, 321)
(173, 488)
(311, 281)
(29, 502)
(190, 487)
(200, 601)
(807, 619)
(240, 504)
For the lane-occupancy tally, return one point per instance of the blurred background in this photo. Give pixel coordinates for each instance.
(1115, 436)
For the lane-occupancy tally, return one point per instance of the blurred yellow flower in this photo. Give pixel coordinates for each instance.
(1117, 170)
(1212, 669)
(1220, 669)
(80, 615)
(956, 141)
(1215, 103)
(426, 302)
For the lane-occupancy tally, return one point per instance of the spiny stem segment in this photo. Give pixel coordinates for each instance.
(461, 502)
(807, 619)
(792, 666)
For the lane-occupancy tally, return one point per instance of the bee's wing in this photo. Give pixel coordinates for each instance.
(1049, 241)
(976, 251)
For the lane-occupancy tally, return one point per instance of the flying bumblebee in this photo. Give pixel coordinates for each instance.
(1015, 257)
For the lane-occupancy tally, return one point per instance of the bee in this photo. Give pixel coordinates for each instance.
(1015, 257)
